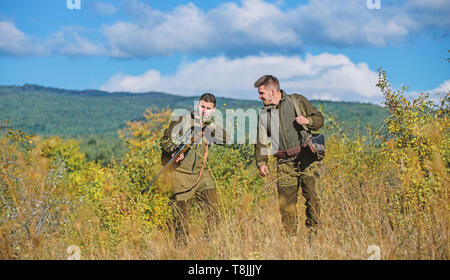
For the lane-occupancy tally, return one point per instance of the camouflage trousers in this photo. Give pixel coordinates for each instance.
(291, 176)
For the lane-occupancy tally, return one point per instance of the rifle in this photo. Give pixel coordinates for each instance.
(187, 141)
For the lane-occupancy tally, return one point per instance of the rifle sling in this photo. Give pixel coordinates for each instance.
(205, 156)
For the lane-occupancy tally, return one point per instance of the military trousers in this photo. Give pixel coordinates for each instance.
(292, 175)
(208, 201)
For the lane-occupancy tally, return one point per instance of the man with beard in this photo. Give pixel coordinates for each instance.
(296, 163)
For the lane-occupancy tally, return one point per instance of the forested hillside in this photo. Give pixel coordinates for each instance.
(50, 111)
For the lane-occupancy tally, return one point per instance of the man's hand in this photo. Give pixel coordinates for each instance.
(301, 120)
(263, 170)
(179, 158)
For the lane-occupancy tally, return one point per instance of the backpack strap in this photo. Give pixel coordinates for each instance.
(300, 111)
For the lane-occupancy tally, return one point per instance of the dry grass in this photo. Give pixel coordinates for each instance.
(353, 217)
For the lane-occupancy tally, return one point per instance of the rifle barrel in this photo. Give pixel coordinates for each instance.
(189, 135)
(183, 148)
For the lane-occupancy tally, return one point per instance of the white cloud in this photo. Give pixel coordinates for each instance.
(430, 4)
(435, 94)
(442, 88)
(14, 42)
(432, 14)
(141, 83)
(254, 21)
(240, 29)
(183, 29)
(349, 23)
(325, 76)
(66, 41)
(69, 42)
(229, 27)
(252, 26)
(440, 92)
(103, 8)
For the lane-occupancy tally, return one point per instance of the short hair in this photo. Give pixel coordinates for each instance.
(208, 97)
(267, 80)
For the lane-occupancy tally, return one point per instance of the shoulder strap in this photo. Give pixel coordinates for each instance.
(298, 111)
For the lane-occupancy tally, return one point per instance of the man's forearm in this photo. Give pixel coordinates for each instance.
(261, 159)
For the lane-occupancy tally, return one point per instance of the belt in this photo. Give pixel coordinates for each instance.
(291, 153)
(284, 160)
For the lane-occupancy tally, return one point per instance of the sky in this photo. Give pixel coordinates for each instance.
(323, 49)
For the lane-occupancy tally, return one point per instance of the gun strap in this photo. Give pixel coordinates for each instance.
(205, 156)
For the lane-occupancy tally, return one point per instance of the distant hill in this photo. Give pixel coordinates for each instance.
(73, 113)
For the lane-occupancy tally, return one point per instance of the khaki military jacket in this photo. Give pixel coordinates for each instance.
(192, 162)
(282, 117)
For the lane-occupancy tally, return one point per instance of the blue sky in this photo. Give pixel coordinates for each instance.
(321, 48)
